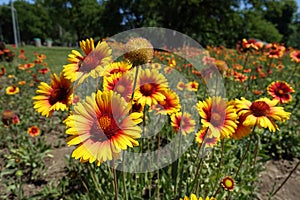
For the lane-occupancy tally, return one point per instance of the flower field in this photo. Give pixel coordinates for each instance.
(82, 123)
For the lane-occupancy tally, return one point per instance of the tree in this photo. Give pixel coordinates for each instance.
(280, 13)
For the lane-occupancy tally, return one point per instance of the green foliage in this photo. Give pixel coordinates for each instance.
(34, 21)
(65, 21)
(257, 27)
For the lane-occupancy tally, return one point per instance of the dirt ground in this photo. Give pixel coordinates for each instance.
(274, 174)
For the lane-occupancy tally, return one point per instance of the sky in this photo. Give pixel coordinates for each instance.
(7, 1)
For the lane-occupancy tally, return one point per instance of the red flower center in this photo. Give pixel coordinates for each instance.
(34, 130)
(147, 89)
(120, 89)
(59, 95)
(104, 122)
(260, 108)
(13, 89)
(104, 128)
(280, 91)
(216, 116)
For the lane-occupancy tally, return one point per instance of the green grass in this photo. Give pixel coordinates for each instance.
(56, 56)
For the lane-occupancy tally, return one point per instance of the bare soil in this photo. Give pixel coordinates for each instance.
(274, 174)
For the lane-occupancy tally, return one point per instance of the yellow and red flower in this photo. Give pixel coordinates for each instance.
(295, 56)
(150, 87)
(120, 83)
(22, 55)
(241, 130)
(261, 113)
(183, 122)
(219, 116)
(169, 105)
(192, 86)
(205, 138)
(11, 90)
(181, 85)
(101, 126)
(41, 56)
(22, 82)
(228, 183)
(240, 77)
(44, 70)
(280, 90)
(92, 64)
(117, 67)
(194, 197)
(221, 65)
(2, 71)
(274, 50)
(251, 43)
(33, 131)
(56, 96)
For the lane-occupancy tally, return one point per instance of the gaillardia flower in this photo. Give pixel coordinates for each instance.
(227, 183)
(251, 43)
(92, 64)
(261, 112)
(295, 56)
(117, 67)
(183, 122)
(274, 50)
(241, 130)
(169, 105)
(56, 96)
(150, 87)
(206, 138)
(33, 131)
(2, 71)
(194, 197)
(192, 86)
(218, 115)
(120, 83)
(280, 91)
(181, 85)
(101, 126)
(11, 90)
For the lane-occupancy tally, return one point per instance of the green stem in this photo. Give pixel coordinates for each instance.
(219, 170)
(124, 185)
(199, 167)
(246, 60)
(115, 181)
(135, 81)
(243, 158)
(255, 159)
(95, 180)
(293, 73)
(158, 178)
(196, 175)
(20, 192)
(178, 162)
(269, 65)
